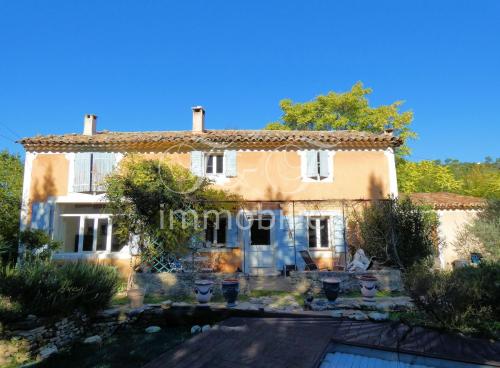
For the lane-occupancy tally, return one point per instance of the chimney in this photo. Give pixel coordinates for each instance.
(389, 131)
(89, 124)
(198, 119)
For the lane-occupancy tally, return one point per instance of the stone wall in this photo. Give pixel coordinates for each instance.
(310, 281)
(181, 285)
(37, 338)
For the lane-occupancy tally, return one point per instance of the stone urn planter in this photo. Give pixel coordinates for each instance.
(368, 284)
(331, 287)
(204, 290)
(230, 290)
(136, 297)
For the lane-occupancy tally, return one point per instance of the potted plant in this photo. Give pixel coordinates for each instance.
(204, 290)
(368, 284)
(331, 287)
(230, 290)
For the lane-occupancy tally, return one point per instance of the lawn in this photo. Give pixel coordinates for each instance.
(131, 347)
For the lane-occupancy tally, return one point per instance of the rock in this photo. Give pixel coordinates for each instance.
(195, 329)
(30, 317)
(136, 311)
(96, 339)
(205, 328)
(376, 316)
(166, 304)
(153, 329)
(48, 351)
(357, 315)
(337, 314)
(108, 313)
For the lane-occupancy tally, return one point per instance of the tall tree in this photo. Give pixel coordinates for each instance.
(11, 183)
(426, 176)
(345, 110)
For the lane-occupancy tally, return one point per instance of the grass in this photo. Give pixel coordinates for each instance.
(128, 348)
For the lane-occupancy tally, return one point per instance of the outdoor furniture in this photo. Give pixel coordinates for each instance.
(310, 264)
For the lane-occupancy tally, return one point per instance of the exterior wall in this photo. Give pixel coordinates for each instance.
(49, 176)
(450, 223)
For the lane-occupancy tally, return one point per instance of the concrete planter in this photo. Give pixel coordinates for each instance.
(136, 297)
(368, 285)
(204, 290)
(230, 290)
(331, 287)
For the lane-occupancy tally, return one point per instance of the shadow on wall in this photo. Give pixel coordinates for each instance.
(376, 188)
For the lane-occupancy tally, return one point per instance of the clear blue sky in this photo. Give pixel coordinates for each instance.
(141, 65)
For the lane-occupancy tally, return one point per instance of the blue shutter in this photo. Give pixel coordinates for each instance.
(42, 216)
(197, 163)
(230, 163)
(311, 164)
(81, 172)
(324, 169)
(232, 233)
(103, 164)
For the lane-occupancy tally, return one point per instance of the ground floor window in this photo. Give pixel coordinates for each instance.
(88, 233)
(260, 231)
(216, 232)
(318, 232)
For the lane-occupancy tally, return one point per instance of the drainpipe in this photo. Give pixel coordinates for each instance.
(294, 245)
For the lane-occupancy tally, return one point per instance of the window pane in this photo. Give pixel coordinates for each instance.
(260, 234)
(209, 231)
(221, 231)
(220, 164)
(324, 233)
(210, 164)
(102, 234)
(116, 244)
(71, 226)
(312, 233)
(88, 234)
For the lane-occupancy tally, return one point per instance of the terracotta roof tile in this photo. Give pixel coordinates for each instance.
(211, 138)
(448, 201)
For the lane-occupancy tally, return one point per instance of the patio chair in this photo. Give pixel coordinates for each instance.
(310, 264)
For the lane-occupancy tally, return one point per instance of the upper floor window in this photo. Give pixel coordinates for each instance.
(214, 163)
(317, 165)
(90, 170)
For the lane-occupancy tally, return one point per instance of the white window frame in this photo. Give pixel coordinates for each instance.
(216, 244)
(81, 231)
(217, 178)
(318, 179)
(317, 229)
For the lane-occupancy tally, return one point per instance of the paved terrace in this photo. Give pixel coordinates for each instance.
(303, 342)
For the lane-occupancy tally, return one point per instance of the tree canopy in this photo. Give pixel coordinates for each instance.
(345, 111)
(161, 203)
(11, 182)
(475, 179)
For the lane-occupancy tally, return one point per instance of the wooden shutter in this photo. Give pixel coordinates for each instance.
(311, 164)
(230, 163)
(103, 164)
(81, 172)
(197, 163)
(324, 168)
(42, 216)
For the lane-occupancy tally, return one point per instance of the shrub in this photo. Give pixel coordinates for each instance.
(482, 235)
(38, 244)
(397, 232)
(466, 299)
(44, 288)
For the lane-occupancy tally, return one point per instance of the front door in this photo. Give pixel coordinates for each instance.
(260, 247)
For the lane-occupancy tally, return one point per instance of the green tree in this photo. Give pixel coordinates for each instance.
(345, 110)
(426, 176)
(161, 203)
(11, 182)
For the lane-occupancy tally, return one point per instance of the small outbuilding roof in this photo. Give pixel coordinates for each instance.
(448, 201)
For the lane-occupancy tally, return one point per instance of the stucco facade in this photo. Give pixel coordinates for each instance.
(269, 170)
